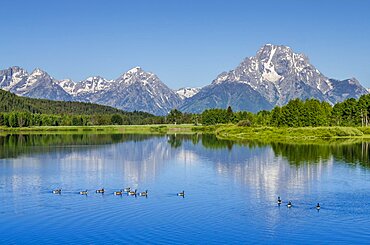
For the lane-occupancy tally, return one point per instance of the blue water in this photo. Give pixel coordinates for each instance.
(230, 193)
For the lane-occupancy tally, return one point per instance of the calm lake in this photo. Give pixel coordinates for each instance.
(230, 190)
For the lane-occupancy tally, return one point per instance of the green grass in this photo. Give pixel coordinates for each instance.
(228, 131)
(112, 129)
(306, 133)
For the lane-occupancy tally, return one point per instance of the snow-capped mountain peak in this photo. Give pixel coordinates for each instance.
(137, 89)
(38, 72)
(134, 70)
(136, 75)
(274, 71)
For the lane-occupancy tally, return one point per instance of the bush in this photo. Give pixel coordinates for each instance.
(244, 123)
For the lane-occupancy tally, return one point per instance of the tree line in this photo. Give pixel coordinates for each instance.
(18, 111)
(26, 119)
(297, 113)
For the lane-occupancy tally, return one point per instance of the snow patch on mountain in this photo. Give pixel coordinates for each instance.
(92, 85)
(187, 92)
(67, 84)
(269, 73)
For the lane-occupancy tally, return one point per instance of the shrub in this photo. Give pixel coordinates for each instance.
(244, 123)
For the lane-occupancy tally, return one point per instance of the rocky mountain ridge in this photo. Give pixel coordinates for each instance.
(134, 90)
(272, 77)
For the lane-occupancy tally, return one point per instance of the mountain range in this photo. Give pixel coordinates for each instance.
(272, 77)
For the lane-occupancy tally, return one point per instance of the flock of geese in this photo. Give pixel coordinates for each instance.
(289, 205)
(127, 191)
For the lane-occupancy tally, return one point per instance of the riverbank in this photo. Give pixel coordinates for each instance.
(233, 132)
(225, 131)
(110, 129)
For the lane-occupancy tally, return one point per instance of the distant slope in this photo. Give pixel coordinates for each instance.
(10, 102)
(345, 89)
(240, 96)
(186, 92)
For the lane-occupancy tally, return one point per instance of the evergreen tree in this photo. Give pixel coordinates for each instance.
(2, 119)
(116, 119)
(13, 120)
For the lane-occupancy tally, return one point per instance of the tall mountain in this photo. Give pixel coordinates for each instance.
(278, 75)
(140, 90)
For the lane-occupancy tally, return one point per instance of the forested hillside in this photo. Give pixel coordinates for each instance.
(16, 111)
(10, 102)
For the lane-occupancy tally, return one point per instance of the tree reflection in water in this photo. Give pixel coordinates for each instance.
(346, 150)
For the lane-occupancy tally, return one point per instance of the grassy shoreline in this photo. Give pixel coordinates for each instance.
(233, 132)
(111, 129)
(225, 131)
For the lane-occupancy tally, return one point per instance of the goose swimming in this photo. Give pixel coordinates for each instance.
(144, 194)
(279, 201)
(100, 190)
(289, 205)
(181, 194)
(57, 191)
(83, 192)
(118, 193)
(132, 193)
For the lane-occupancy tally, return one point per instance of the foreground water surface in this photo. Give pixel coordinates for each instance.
(230, 190)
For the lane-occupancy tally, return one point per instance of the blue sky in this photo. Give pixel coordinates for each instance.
(186, 43)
